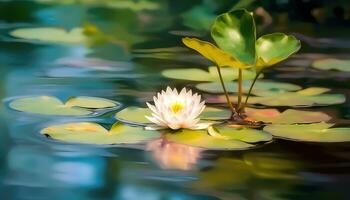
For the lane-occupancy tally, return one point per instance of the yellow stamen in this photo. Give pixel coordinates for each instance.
(176, 107)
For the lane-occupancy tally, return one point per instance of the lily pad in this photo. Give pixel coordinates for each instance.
(289, 116)
(318, 132)
(136, 115)
(51, 34)
(332, 64)
(48, 105)
(302, 98)
(195, 74)
(92, 133)
(260, 85)
(233, 139)
(226, 138)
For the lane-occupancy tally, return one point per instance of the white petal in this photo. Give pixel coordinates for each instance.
(155, 128)
(203, 125)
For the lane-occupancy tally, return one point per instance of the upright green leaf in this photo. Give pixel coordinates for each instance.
(274, 48)
(235, 33)
(212, 53)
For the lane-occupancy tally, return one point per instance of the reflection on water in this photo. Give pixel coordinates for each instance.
(174, 156)
(129, 44)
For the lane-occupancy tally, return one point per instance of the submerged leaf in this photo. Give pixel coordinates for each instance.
(194, 74)
(212, 53)
(51, 34)
(332, 64)
(92, 133)
(48, 105)
(274, 48)
(234, 32)
(319, 132)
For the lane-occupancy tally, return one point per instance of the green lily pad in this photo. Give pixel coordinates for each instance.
(234, 32)
(260, 85)
(289, 116)
(194, 74)
(92, 133)
(48, 105)
(136, 115)
(230, 138)
(301, 98)
(90, 102)
(318, 132)
(274, 48)
(332, 64)
(51, 34)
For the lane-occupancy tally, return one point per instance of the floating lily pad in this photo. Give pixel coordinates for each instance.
(92, 133)
(332, 64)
(137, 115)
(318, 132)
(230, 138)
(260, 85)
(90, 102)
(289, 116)
(194, 74)
(301, 98)
(48, 105)
(51, 34)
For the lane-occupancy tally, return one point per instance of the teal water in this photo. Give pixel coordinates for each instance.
(147, 40)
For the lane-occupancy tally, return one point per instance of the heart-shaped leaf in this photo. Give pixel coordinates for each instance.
(319, 132)
(136, 115)
(48, 105)
(289, 116)
(92, 133)
(234, 32)
(212, 53)
(194, 74)
(226, 138)
(51, 34)
(261, 85)
(274, 48)
(332, 64)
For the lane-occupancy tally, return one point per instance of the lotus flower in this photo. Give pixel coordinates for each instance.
(177, 110)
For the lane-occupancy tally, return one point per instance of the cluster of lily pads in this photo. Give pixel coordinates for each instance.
(239, 56)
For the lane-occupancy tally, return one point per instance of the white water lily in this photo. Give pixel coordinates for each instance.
(177, 110)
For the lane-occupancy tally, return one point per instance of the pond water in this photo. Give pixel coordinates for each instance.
(124, 64)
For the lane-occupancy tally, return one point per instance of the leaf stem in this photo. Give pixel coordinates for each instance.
(225, 91)
(240, 89)
(251, 88)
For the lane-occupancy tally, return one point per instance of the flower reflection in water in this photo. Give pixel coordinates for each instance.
(174, 156)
